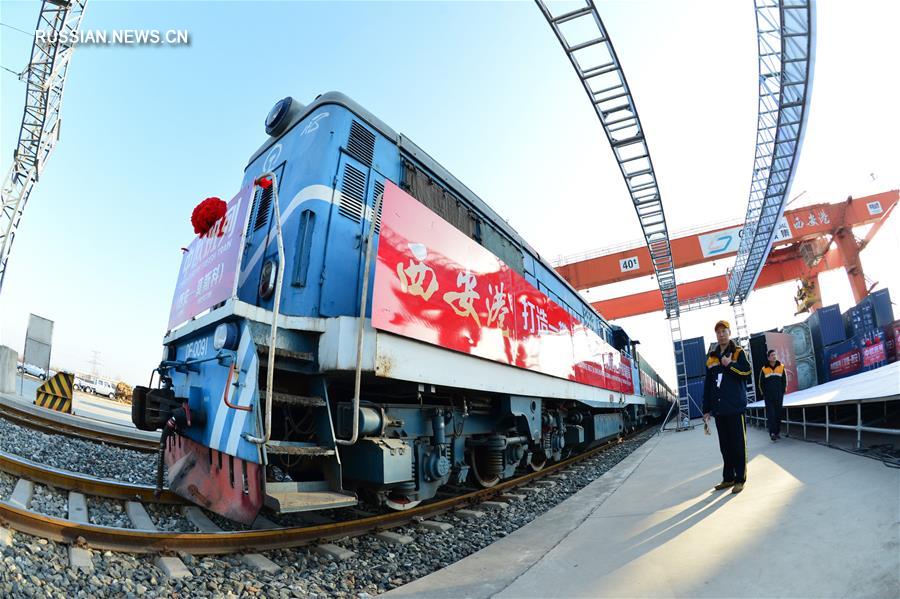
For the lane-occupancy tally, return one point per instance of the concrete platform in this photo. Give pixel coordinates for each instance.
(124, 429)
(811, 522)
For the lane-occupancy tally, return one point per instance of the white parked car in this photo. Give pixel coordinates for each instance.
(96, 387)
(35, 371)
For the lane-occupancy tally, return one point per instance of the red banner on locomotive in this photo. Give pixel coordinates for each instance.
(434, 284)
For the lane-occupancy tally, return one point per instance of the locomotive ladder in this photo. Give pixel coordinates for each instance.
(585, 40)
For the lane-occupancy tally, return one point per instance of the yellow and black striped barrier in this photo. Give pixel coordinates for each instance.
(56, 393)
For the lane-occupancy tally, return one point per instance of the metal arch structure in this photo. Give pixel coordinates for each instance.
(586, 42)
(786, 42)
(45, 79)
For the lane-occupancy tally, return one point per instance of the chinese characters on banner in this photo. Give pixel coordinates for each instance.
(209, 267)
(435, 284)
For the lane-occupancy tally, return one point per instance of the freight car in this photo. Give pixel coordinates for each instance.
(359, 324)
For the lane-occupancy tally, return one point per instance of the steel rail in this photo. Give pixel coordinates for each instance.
(52, 426)
(83, 483)
(128, 540)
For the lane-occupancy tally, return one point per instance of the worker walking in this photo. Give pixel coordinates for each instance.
(725, 398)
(772, 384)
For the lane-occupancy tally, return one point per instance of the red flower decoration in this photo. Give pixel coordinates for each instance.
(206, 214)
(264, 182)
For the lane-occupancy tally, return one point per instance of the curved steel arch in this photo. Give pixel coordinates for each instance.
(786, 41)
(586, 42)
(45, 78)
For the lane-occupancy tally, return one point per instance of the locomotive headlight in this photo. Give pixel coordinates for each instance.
(267, 279)
(226, 336)
(278, 116)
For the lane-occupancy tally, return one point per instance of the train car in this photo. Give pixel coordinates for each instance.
(360, 325)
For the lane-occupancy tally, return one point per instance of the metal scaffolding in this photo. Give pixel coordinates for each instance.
(45, 77)
(786, 43)
(586, 43)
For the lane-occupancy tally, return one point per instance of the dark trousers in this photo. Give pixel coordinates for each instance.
(773, 414)
(733, 445)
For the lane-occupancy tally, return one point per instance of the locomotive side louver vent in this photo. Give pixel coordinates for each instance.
(264, 199)
(379, 190)
(353, 193)
(361, 144)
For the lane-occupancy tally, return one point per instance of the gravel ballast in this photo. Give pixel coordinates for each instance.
(76, 455)
(35, 568)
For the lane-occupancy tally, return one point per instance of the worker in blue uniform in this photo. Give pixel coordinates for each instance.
(725, 398)
(772, 385)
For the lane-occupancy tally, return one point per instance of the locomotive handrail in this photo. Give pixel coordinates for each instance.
(360, 335)
(276, 306)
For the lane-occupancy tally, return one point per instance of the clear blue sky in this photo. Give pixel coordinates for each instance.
(149, 131)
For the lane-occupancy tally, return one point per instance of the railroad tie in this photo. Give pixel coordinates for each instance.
(80, 558)
(198, 518)
(171, 566)
(56, 393)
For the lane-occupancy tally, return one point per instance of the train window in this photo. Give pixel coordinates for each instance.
(443, 203)
(453, 210)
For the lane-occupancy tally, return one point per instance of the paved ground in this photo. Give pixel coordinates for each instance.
(812, 522)
(87, 406)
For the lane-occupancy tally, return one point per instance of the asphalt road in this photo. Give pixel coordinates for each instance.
(85, 405)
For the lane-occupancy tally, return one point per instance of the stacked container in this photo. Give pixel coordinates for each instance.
(872, 350)
(695, 372)
(842, 359)
(873, 312)
(802, 358)
(826, 327)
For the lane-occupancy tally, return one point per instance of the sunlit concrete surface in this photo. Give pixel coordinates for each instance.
(811, 522)
(115, 424)
(85, 405)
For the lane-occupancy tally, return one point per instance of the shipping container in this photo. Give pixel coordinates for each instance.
(826, 327)
(694, 357)
(859, 319)
(872, 348)
(882, 309)
(806, 373)
(842, 359)
(695, 390)
(803, 344)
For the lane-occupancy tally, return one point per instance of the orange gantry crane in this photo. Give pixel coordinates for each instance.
(810, 240)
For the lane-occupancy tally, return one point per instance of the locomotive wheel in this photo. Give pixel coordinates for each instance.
(477, 459)
(400, 503)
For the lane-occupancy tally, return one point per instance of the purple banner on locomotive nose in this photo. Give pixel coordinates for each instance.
(209, 268)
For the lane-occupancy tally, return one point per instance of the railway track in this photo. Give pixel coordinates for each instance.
(143, 538)
(57, 424)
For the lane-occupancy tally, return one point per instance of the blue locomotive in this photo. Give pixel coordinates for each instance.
(280, 395)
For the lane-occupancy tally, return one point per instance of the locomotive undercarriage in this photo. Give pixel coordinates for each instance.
(413, 438)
